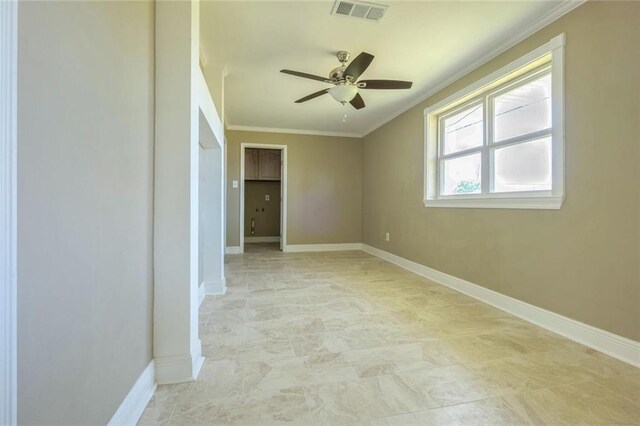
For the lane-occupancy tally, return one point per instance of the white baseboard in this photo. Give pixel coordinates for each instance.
(619, 347)
(295, 248)
(137, 399)
(215, 287)
(201, 293)
(233, 250)
(261, 239)
(178, 369)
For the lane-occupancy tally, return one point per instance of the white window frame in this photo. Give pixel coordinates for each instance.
(550, 55)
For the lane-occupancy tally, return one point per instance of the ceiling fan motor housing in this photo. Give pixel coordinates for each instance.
(337, 73)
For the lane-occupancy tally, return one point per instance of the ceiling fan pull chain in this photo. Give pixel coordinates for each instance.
(344, 118)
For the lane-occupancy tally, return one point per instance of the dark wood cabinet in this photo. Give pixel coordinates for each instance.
(269, 164)
(262, 164)
(250, 164)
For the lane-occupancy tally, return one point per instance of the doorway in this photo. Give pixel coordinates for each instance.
(263, 197)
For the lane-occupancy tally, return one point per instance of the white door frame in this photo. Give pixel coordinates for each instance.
(283, 183)
(8, 210)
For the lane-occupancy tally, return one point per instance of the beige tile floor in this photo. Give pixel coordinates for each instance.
(346, 338)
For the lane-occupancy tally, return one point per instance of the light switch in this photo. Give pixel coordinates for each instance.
(266, 197)
(234, 183)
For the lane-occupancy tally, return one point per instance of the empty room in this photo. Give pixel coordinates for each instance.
(332, 212)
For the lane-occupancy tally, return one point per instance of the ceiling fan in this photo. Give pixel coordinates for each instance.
(345, 80)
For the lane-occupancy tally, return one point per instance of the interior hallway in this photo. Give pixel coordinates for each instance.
(345, 338)
(261, 247)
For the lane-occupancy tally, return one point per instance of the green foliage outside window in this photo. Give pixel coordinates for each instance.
(466, 187)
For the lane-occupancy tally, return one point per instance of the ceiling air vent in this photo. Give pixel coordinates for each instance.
(360, 9)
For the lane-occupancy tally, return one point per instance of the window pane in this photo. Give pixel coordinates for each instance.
(523, 167)
(463, 130)
(523, 110)
(461, 175)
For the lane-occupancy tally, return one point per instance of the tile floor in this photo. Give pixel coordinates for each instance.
(346, 338)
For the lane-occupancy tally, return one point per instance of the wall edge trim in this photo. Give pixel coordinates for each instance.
(215, 288)
(8, 212)
(261, 239)
(619, 347)
(298, 248)
(133, 405)
(233, 250)
(293, 131)
(201, 294)
(178, 369)
(511, 40)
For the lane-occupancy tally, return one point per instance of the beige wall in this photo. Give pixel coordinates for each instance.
(85, 176)
(581, 261)
(267, 222)
(324, 187)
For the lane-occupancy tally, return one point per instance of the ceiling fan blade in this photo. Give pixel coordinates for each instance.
(357, 101)
(305, 75)
(384, 84)
(358, 65)
(312, 96)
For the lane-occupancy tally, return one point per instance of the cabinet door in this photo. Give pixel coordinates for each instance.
(269, 164)
(250, 164)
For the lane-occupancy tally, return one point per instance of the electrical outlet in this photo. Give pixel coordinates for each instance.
(235, 183)
(386, 236)
(266, 197)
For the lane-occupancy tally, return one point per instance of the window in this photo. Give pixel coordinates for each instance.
(500, 142)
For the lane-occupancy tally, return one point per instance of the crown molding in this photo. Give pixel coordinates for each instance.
(293, 131)
(516, 37)
(511, 40)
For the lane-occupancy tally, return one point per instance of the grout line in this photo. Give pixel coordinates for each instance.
(362, 279)
(351, 366)
(503, 395)
(171, 415)
(634, 403)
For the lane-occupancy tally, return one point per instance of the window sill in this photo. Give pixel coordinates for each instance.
(539, 203)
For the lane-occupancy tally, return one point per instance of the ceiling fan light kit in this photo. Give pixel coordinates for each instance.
(344, 92)
(345, 80)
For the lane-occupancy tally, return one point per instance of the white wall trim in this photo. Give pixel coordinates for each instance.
(283, 186)
(293, 131)
(178, 369)
(550, 54)
(619, 347)
(543, 203)
(8, 210)
(215, 288)
(176, 347)
(209, 111)
(201, 294)
(296, 248)
(136, 400)
(510, 40)
(261, 239)
(233, 250)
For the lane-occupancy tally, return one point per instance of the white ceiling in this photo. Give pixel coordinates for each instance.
(426, 42)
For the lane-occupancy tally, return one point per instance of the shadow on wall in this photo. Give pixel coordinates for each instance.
(262, 204)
